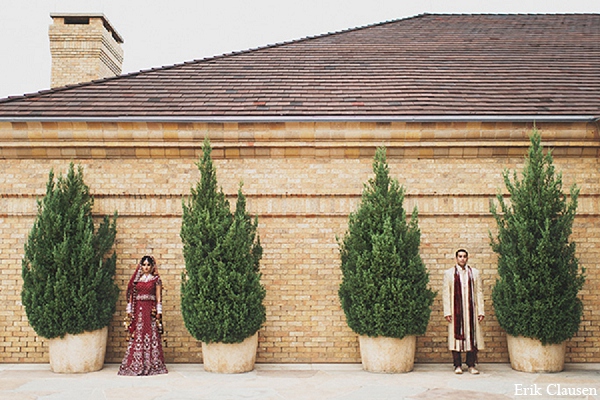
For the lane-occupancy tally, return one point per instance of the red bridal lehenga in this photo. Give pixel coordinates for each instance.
(144, 355)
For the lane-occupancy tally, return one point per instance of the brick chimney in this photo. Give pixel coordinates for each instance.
(84, 47)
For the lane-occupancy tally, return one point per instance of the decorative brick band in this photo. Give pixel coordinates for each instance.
(284, 206)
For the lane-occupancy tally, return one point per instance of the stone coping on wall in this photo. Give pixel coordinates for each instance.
(125, 140)
(287, 132)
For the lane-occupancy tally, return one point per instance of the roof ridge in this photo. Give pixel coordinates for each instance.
(322, 35)
(204, 59)
(313, 37)
(283, 43)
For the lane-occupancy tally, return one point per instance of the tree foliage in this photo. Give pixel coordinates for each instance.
(384, 289)
(539, 277)
(68, 276)
(221, 293)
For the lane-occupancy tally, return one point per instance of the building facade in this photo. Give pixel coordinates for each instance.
(298, 124)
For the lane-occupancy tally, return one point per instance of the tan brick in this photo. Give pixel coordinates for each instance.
(302, 196)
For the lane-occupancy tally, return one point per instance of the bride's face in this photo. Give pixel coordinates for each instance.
(146, 267)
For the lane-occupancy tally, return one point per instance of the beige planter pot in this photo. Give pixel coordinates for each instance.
(387, 355)
(78, 353)
(529, 355)
(230, 358)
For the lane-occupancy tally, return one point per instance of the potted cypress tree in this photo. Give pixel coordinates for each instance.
(221, 293)
(535, 298)
(69, 293)
(384, 290)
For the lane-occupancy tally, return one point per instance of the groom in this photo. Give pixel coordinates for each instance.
(463, 309)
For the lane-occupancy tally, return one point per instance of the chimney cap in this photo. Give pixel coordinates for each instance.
(105, 21)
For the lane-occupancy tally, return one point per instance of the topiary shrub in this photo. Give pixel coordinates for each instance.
(384, 289)
(539, 277)
(68, 277)
(221, 293)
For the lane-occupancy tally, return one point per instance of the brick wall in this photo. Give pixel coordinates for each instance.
(302, 180)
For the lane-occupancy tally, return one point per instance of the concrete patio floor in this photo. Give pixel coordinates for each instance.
(300, 381)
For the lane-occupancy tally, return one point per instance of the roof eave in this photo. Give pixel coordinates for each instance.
(315, 118)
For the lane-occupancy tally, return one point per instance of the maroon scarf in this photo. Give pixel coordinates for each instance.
(459, 328)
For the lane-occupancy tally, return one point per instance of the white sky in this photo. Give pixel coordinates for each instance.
(166, 32)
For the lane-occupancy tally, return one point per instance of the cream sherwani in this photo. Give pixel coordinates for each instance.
(448, 300)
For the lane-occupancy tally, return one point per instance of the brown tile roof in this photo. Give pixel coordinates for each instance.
(428, 65)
